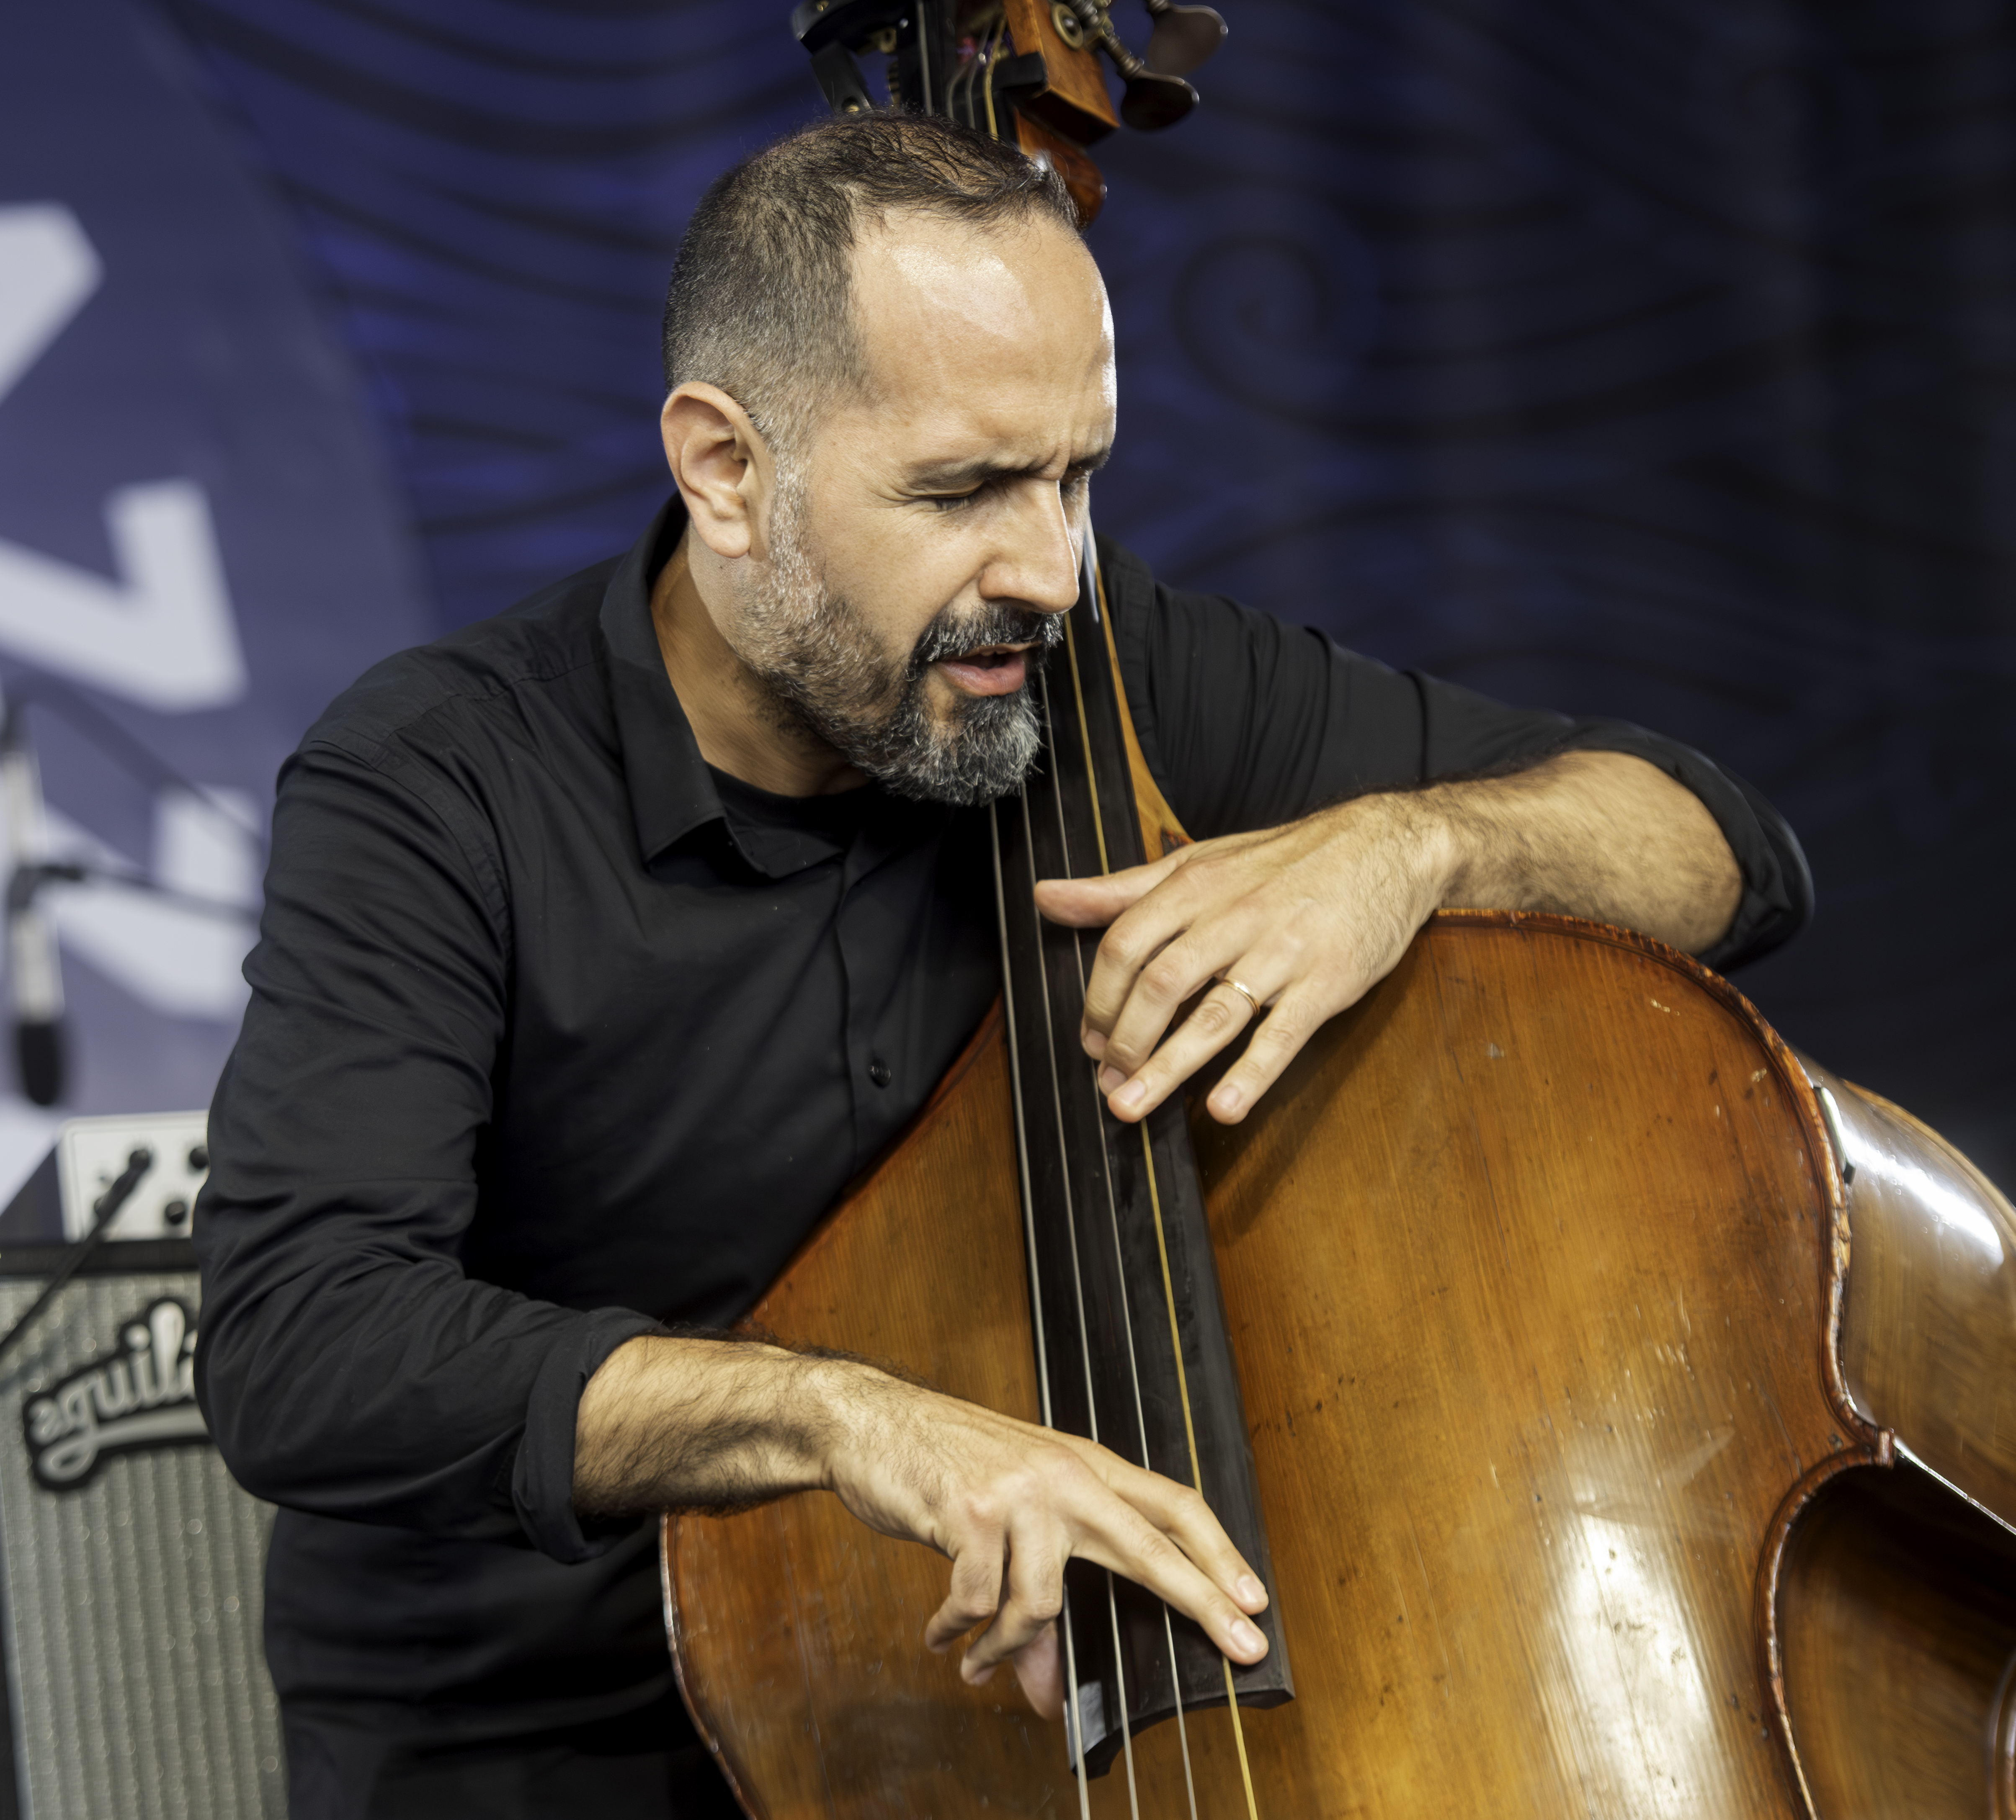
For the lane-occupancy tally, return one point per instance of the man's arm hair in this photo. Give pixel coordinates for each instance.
(714, 1424)
(1601, 835)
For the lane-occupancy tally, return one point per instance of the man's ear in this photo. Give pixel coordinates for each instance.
(722, 466)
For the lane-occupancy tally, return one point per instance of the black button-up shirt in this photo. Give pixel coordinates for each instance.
(557, 1035)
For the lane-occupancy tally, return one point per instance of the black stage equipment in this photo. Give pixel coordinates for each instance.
(137, 1686)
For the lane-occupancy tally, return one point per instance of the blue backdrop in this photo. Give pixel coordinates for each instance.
(1628, 356)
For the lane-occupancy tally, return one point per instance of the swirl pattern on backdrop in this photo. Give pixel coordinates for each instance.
(1283, 316)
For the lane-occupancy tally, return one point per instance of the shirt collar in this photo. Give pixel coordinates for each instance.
(672, 792)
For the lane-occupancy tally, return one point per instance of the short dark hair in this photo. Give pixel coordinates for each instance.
(761, 298)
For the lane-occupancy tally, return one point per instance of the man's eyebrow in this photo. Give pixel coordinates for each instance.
(953, 475)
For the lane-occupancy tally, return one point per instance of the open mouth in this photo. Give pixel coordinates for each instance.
(991, 670)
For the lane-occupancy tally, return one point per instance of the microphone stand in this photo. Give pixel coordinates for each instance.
(34, 966)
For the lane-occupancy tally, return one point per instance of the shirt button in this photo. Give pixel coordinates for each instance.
(880, 1072)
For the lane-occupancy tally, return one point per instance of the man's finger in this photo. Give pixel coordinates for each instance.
(1276, 1043)
(1129, 1545)
(1092, 903)
(1131, 1524)
(1181, 1515)
(1036, 1596)
(1218, 1018)
(1156, 956)
(975, 1592)
(1123, 1517)
(1039, 1666)
(1133, 940)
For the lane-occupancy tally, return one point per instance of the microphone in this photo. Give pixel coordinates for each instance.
(34, 969)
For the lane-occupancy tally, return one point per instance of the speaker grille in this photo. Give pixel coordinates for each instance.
(133, 1570)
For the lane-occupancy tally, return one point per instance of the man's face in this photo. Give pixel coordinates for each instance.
(924, 543)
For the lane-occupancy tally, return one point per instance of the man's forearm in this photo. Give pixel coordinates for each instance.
(708, 1424)
(1596, 834)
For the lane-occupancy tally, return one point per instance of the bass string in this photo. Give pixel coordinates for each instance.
(987, 83)
(1141, 1425)
(1077, 1296)
(1077, 1279)
(1089, 1070)
(1073, 1720)
(960, 86)
(1189, 1434)
(1112, 1208)
(976, 73)
(982, 70)
(1021, 1120)
(1074, 1714)
(1161, 1244)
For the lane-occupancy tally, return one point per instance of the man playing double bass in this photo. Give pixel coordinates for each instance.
(605, 940)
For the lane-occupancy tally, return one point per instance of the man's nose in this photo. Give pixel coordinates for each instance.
(1038, 562)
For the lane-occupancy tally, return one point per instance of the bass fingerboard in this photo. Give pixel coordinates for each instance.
(1133, 1344)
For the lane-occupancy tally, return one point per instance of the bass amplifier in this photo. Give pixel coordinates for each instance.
(133, 1564)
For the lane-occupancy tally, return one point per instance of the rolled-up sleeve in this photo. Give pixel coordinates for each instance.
(1248, 722)
(347, 1365)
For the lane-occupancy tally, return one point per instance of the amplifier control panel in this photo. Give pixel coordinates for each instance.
(91, 1152)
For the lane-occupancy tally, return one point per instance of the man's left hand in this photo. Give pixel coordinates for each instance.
(1308, 917)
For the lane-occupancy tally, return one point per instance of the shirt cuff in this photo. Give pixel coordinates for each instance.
(543, 1475)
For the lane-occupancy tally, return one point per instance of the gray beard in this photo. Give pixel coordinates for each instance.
(830, 677)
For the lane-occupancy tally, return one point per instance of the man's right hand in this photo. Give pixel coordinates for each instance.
(672, 1423)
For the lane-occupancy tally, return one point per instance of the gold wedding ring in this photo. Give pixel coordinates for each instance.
(1243, 992)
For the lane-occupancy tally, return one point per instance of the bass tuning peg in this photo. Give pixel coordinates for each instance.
(1151, 102)
(1152, 99)
(1183, 37)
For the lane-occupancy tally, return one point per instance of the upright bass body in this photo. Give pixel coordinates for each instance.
(1531, 1266)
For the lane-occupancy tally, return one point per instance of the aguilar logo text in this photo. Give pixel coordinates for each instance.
(145, 1395)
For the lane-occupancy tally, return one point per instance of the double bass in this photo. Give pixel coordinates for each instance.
(1609, 1397)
